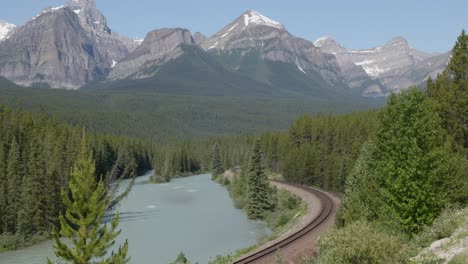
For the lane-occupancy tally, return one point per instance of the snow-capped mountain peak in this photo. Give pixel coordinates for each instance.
(255, 18)
(321, 41)
(83, 3)
(5, 29)
(328, 45)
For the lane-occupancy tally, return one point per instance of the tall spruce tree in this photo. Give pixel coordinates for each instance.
(260, 198)
(13, 182)
(217, 165)
(450, 95)
(85, 239)
(3, 189)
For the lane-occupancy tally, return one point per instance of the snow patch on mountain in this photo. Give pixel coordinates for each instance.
(47, 10)
(138, 40)
(5, 29)
(320, 41)
(253, 17)
(229, 31)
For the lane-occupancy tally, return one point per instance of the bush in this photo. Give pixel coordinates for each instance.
(360, 243)
(444, 226)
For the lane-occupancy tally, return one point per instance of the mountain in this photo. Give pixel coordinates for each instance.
(110, 44)
(158, 47)
(5, 29)
(63, 47)
(52, 50)
(254, 54)
(198, 38)
(393, 67)
(254, 35)
(72, 46)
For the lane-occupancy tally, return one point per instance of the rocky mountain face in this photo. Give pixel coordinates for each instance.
(72, 45)
(253, 32)
(110, 44)
(52, 49)
(159, 47)
(389, 68)
(199, 38)
(5, 29)
(63, 47)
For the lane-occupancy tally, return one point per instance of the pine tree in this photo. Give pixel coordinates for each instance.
(181, 259)
(3, 189)
(30, 205)
(449, 93)
(85, 205)
(13, 182)
(361, 194)
(260, 198)
(217, 166)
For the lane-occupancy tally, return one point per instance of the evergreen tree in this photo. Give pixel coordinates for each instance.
(3, 189)
(361, 196)
(450, 95)
(259, 194)
(13, 183)
(30, 207)
(85, 205)
(181, 259)
(217, 165)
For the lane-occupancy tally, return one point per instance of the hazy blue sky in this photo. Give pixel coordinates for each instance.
(430, 25)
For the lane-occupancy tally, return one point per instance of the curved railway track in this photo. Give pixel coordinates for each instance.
(327, 207)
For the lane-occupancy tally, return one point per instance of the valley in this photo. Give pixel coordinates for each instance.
(221, 135)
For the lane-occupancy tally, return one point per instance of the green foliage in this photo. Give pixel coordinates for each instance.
(217, 166)
(36, 153)
(80, 224)
(320, 150)
(459, 259)
(449, 93)
(411, 161)
(260, 198)
(196, 156)
(165, 113)
(360, 242)
(181, 259)
(227, 259)
(279, 257)
(443, 226)
(362, 197)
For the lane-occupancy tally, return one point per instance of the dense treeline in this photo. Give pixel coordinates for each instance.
(188, 157)
(164, 117)
(36, 154)
(319, 150)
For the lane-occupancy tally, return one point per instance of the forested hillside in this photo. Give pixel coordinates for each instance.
(410, 178)
(171, 114)
(36, 154)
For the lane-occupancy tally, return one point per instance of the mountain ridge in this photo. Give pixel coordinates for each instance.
(395, 65)
(251, 46)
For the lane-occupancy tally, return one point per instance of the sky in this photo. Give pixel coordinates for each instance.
(431, 26)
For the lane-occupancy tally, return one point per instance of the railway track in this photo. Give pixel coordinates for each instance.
(327, 206)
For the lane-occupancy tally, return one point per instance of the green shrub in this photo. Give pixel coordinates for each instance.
(442, 227)
(360, 243)
(459, 259)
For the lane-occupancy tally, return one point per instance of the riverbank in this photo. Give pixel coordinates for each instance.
(188, 214)
(296, 209)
